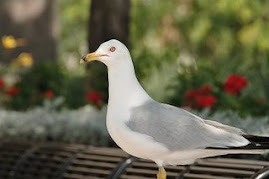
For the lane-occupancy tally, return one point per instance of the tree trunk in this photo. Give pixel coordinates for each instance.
(109, 19)
(35, 22)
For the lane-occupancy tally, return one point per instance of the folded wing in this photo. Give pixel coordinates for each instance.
(178, 129)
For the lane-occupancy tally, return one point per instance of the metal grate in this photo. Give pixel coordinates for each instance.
(49, 161)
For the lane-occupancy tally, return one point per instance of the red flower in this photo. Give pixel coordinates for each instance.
(94, 97)
(12, 91)
(206, 101)
(191, 94)
(199, 98)
(2, 83)
(234, 84)
(49, 94)
(205, 89)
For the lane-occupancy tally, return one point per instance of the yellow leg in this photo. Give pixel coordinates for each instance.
(161, 173)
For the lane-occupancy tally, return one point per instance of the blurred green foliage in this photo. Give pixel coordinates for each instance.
(224, 32)
(74, 16)
(176, 45)
(217, 38)
(48, 77)
(34, 83)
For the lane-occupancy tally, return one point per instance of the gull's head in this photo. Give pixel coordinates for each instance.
(110, 52)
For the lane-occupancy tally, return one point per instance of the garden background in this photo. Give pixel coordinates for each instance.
(210, 57)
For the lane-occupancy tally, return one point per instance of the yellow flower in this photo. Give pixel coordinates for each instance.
(25, 60)
(9, 42)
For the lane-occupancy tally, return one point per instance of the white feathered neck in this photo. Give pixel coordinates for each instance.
(124, 88)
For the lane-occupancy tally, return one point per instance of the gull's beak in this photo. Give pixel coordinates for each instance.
(90, 57)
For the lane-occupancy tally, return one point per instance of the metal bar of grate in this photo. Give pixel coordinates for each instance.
(66, 161)
(21, 160)
(262, 174)
(121, 167)
(69, 162)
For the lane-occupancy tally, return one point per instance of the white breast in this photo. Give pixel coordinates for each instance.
(134, 143)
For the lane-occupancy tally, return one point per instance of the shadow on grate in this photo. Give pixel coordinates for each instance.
(33, 160)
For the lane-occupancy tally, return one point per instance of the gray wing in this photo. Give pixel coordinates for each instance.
(178, 129)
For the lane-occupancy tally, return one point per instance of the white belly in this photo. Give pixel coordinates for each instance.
(134, 143)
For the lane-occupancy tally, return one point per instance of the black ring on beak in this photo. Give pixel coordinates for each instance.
(84, 58)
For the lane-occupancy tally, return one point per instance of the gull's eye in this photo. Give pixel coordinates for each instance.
(112, 49)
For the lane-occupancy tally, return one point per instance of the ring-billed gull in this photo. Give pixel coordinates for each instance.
(160, 132)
